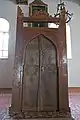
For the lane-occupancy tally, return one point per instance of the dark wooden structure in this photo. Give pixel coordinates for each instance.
(22, 2)
(40, 85)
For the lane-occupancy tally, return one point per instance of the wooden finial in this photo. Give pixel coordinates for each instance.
(19, 12)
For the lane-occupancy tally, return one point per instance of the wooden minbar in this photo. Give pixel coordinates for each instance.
(40, 85)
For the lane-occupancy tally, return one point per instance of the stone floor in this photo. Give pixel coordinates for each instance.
(74, 102)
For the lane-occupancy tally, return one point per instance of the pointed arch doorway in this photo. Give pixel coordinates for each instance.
(40, 78)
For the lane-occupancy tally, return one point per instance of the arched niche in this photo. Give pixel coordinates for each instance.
(40, 77)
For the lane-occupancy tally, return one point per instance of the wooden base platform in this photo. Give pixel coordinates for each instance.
(40, 115)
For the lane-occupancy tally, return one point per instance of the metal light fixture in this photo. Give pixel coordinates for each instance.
(60, 6)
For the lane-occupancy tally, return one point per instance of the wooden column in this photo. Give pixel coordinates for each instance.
(63, 73)
(17, 83)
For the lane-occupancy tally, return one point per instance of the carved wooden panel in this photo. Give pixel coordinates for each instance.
(30, 80)
(40, 76)
(48, 88)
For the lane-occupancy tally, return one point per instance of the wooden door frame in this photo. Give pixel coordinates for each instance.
(58, 36)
